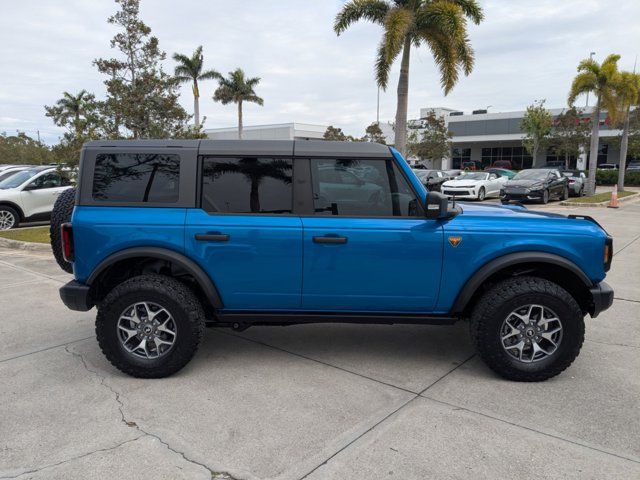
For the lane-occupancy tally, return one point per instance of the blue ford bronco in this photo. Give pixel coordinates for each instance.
(167, 237)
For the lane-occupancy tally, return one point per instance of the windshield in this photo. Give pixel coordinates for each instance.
(531, 175)
(17, 179)
(571, 174)
(423, 173)
(4, 175)
(474, 176)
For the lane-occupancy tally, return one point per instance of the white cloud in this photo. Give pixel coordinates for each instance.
(525, 50)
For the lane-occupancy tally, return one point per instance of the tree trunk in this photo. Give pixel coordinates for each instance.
(593, 150)
(240, 120)
(534, 154)
(566, 160)
(624, 146)
(403, 99)
(196, 103)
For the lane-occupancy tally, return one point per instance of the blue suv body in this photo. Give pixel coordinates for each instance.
(166, 236)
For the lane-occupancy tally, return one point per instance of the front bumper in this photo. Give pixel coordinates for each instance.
(519, 196)
(76, 296)
(602, 298)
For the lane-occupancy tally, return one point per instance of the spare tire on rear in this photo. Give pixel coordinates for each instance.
(62, 210)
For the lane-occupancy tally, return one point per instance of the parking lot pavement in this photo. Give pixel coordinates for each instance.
(314, 401)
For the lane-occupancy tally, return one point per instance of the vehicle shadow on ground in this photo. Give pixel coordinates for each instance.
(407, 356)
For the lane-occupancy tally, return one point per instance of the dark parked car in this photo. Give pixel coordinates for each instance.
(557, 164)
(502, 164)
(536, 184)
(501, 172)
(432, 179)
(472, 166)
(633, 166)
(607, 166)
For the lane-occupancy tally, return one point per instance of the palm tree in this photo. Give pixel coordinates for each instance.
(627, 92)
(237, 89)
(600, 80)
(189, 69)
(440, 24)
(75, 111)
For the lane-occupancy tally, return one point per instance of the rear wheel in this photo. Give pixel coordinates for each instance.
(9, 218)
(62, 210)
(150, 326)
(527, 329)
(565, 193)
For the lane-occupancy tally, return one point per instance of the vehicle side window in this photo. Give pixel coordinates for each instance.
(247, 185)
(49, 180)
(136, 177)
(493, 176)
(382, 192)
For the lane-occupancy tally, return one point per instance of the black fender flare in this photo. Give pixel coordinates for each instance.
(509, 260)
(201, 277)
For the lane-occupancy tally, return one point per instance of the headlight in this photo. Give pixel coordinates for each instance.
(536, 186)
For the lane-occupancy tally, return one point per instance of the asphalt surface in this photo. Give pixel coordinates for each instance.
(314, 401)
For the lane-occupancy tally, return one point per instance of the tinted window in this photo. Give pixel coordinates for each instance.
(136, 178)
(13, 181)
(247, 185)
(50, 180)
(340, 188)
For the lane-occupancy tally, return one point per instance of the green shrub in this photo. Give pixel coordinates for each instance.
(610, 177)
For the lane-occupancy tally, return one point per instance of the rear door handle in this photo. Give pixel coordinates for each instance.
(330, 239)
(212, 237)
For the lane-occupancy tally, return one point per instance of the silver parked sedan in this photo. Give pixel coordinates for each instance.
(577, 181)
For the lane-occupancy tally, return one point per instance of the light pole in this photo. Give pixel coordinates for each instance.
(378, 109)
(590, 58)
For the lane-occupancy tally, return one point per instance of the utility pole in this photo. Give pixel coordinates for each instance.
(378, 109)
(590, 58)
(38, 135)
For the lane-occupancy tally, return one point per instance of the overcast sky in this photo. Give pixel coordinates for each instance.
(525, 50)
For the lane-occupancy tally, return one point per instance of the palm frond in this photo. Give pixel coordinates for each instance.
(371, 10)
(397, 25)
(582, 83)
(382, 68)
(445, 57)
(254, 99)
(209, 75)
(471, 9)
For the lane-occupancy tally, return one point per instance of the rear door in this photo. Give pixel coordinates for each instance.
(245, 233)
(39, 195)
(377, 254)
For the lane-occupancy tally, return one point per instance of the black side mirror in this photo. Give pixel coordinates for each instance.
(437, 206)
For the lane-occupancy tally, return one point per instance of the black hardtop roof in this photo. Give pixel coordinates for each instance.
(279, 148)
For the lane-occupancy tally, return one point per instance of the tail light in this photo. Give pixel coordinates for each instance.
(572, 181)
(66, 234)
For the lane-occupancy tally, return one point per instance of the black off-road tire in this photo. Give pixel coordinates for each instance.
(504, 298)
(61, 213)
(10, 211)
(177, 299)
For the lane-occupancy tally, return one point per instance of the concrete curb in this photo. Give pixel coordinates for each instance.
(30, 246)
(599, 204)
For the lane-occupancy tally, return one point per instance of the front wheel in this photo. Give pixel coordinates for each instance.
(481, 194)
(545, 197)
(565, 193)
(527, 329)
(150, 326)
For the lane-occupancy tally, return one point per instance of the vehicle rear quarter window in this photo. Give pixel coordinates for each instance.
(247, 185)
(136, 178)
(361, 187)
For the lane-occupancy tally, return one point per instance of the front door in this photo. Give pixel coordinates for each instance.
(370, 250)
(245, 234)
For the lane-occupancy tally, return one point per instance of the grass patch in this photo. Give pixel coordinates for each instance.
(599, 197)
(34, 234)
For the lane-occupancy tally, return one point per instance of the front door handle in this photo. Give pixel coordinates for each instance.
(212, 237)
(330, 239)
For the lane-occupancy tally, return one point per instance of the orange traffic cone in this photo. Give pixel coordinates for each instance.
(613, 203)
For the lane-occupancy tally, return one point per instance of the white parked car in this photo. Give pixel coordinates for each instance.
(29, 195)
(474, 185)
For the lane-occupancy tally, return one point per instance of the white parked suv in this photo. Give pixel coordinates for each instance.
(29, 195)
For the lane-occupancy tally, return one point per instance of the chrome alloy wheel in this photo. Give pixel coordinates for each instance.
(531, 333)
(147, 330)
(7, 220)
